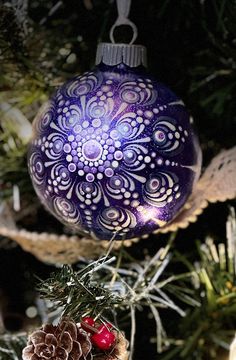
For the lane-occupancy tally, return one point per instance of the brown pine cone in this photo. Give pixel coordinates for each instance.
(66, 341)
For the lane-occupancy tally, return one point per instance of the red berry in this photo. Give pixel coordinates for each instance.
(104, 339)
(87, 323)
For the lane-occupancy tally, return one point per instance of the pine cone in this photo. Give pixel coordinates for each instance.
(66, 341)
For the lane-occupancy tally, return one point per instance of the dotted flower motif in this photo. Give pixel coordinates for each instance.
(114, 154)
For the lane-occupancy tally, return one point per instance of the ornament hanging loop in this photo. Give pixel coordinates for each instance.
(123, 8)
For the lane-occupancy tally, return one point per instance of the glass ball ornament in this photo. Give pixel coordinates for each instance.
(114, 154)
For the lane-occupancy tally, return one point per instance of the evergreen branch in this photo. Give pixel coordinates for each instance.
(216, 293)
(100, 288)
(78, 293)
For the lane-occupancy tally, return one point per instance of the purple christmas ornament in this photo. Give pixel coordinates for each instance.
(114, 154)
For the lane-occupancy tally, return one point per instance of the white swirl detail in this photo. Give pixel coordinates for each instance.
(66, 210)
(117, 220)
(37, 170)
(135, 92)
(55, 146)
(117, 184)
(72, 116)
(88, 193)
(44, 117)
(82, 85)
(127, 129)
(160, 189)
(166, 136)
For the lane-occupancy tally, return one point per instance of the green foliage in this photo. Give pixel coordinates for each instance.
(208, 330)
(77, 294)
(12, 169)
(215, 74)
(101, 289)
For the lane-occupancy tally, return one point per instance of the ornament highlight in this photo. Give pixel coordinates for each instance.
(114, 153)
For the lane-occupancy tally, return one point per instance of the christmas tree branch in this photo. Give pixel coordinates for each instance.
(215, 291)
(99, 288)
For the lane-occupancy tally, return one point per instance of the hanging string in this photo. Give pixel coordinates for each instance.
(123, 8)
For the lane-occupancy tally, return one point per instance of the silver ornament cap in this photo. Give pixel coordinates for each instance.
(115, 54)
(119, 53)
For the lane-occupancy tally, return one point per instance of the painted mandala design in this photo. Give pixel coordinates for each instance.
(114, 154)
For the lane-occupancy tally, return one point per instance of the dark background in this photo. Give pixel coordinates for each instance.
(191, 48)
